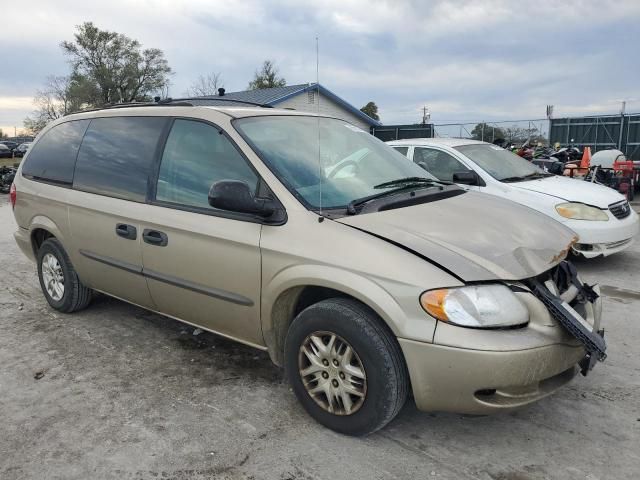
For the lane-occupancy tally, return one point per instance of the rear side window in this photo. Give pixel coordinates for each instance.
(402, 150)
(53, 157)
(117, 155)
(195, 156)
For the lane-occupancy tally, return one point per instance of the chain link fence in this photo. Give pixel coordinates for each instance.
(511, 131)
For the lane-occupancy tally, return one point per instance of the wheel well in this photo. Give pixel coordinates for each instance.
(288, 305)
(38, 236)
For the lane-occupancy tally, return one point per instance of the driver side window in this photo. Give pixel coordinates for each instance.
(438, 163)
(195, 156)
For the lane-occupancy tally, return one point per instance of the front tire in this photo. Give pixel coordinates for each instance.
(345, 367)
(58, 279)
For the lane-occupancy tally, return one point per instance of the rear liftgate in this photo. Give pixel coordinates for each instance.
(593, 341)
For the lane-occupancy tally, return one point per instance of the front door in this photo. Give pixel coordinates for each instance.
(202, 265)
(440, 164)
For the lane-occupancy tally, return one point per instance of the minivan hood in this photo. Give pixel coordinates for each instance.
(572, 190)
(476, 237)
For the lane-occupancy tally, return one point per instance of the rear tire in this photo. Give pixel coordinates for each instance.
(58, 279)
(326, 392)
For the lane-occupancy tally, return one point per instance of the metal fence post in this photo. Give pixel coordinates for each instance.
(622, 117)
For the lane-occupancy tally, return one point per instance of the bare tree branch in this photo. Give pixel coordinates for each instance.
(205, 85)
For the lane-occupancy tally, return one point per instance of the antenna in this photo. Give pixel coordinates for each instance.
(321, 173)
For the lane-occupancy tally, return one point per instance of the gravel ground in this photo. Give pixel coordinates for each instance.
(118, 392)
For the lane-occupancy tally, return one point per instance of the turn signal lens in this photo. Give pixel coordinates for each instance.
(476, 306)
(433, 303)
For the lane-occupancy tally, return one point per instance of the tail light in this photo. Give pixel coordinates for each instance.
(13, 195)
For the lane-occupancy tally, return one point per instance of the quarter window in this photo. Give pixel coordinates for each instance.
(438, 163)
(116, 156)
(195, 156)
(53, 157)
(402, 150)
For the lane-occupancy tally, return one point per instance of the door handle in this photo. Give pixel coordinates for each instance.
(155, 237)
(126, 231)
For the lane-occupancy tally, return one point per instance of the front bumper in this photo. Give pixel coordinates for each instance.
(604, 238)
(593, 250)
(481, 382)
(480, 371)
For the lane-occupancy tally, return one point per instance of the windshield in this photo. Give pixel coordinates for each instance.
(352, 162)
(501, 164)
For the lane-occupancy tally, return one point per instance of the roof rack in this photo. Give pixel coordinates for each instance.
(168, 102)
(110, 106)
(216, 98)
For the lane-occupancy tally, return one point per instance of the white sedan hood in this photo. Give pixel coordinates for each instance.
(572, 190)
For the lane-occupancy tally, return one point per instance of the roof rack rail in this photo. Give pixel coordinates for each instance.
(108, 106)
(216, 98)
(167, 102)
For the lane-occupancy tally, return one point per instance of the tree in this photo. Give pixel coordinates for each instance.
(486, 133)
(205, 85)
(116, 65)
(267, 77)
(3, 135)
(60, 96)
(515, 134)
(371, 109)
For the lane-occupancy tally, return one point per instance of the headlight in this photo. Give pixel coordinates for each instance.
(580, 211)
(476, 306)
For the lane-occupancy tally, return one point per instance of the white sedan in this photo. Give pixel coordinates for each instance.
(602, 218)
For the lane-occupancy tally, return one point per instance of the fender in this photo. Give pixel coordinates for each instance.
(40, 221)
(281, 292)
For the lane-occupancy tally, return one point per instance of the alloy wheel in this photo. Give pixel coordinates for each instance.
(332, 373)
(53, 277)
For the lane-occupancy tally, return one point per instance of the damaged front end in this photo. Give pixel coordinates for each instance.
(486, 370)
(568, 300)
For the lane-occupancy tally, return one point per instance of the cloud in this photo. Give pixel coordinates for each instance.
(466, 60)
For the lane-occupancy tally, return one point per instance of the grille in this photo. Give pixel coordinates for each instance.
(620, 210)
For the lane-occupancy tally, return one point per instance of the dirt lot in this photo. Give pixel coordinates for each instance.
(9, 162)
(118, 392)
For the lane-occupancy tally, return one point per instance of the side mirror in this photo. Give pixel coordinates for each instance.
(235, 196)
(466, 178)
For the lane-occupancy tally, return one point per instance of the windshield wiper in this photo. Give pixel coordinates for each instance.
(512, 179)
(530, 176)
(411, 181)
(401, 185)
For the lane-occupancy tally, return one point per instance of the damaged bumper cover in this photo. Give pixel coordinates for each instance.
(484, 371)
(565, 278)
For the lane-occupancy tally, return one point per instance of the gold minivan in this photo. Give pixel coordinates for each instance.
(302, 235)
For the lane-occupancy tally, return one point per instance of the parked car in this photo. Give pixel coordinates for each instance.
(223, 218)
(602, 218)
(5, 152)
(9, 144)
(21, 149)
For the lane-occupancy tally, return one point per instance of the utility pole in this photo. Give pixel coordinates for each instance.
(426, 115)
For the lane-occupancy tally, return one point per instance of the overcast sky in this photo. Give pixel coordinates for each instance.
(465, 60)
